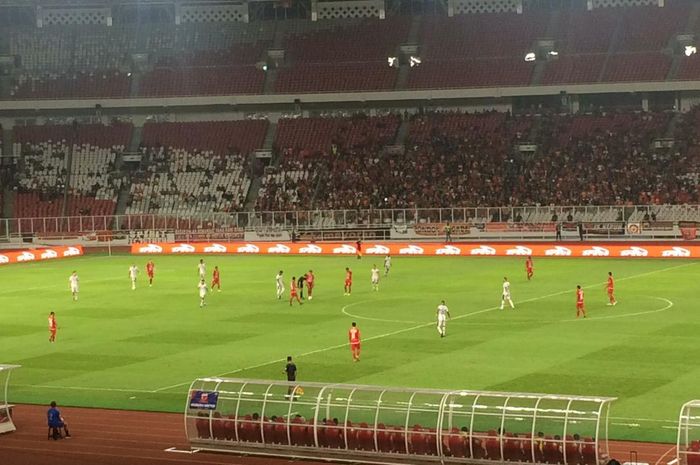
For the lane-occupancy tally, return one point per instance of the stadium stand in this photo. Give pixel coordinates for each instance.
(53, 155)
(195, 167)
(470, 50)
(315, 149)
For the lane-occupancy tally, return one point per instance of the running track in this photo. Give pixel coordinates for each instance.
(120, 437)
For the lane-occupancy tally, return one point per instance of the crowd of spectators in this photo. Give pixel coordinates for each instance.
(458, 159)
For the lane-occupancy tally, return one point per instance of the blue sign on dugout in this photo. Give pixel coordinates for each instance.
(204, 400)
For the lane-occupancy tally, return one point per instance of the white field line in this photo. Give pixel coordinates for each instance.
(338, 346)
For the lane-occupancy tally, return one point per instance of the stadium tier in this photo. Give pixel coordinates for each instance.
(605, 45)
(446, 159)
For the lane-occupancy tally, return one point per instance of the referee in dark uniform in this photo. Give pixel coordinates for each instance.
(300, 285)
(291, 371)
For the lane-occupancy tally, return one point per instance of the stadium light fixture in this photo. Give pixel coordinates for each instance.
(393, 62)
(414, 61)
(530, 56)
(553, 53)
(690, 50)
(264, 67)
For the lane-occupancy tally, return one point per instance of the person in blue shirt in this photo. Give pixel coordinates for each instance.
(55, 420)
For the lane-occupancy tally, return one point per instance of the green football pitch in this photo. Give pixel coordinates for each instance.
(119, 348)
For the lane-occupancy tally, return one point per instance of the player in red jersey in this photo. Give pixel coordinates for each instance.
(358, 248)
(348, 281)
(150, 271)
(580, 310)
(528, 268)
(310, 283)
(293, 292)
(354, 338)
(52, 327)
(610, 287)
(216, 279)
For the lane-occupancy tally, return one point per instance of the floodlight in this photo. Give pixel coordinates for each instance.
(530, 56)
(264, 67)
(690, 50)
(553, 53)
(415, 61)
(393, 61)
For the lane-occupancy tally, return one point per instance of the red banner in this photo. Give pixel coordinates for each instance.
(35, 255)
(500, 249)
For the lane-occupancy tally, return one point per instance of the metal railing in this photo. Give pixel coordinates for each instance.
(339, 219)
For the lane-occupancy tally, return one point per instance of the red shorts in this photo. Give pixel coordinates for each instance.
(293, 294)
(579, 305)
(53, 331)
(610, 291)
(529, 270)
(355, 346)
(348, 282)
(150, 275)
(215, 282)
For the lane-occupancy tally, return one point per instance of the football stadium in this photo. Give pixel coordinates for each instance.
(389, 232)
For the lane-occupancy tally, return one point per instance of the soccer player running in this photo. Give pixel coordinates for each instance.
(387, 265)
(150, 271)
(310, 279)
(348, 281)
(293, 292)
(202, 268)
(280, 285)
(528, 268)
(300, 284)
(354, 338)
(202, 292)
(610, 287)
(133, 273)
(375, 278)
(52, 327)
(580, 309)
(74, 285)
(216, 279)
(442, 313)
(505, 296)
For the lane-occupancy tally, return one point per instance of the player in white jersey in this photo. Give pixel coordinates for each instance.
(133, 273)
(375, 278)
(279, 282)
(506, 294)
(442, 313)
(202, 292)
(387, 265)
(74, 285)
(202, 268)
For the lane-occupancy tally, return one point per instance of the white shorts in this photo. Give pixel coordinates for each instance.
(441, 321)
(74, 289)
(506, 296)
(202, 295)
(375, 280)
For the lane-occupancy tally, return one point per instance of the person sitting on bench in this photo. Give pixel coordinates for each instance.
(56, 422)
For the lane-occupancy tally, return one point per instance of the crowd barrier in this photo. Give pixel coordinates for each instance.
(651, 250)
(35, 255)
